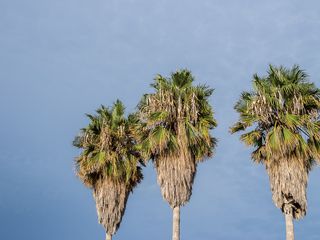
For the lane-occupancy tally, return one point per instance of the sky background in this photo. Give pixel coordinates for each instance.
(61, 59)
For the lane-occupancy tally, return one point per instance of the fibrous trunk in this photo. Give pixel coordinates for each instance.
(176, 172)
(176, 224)
(108, 236)
(175, 177)
(288, 180)
(111, 198)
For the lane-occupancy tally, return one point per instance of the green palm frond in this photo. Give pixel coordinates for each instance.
(108, 146)
(176, 108)
(284, 107)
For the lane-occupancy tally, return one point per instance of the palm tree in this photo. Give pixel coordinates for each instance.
(281, 120)
(176, 120)
(109, 163)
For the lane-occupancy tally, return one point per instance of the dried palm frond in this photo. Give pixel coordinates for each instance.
(288, 180)
(111, 198)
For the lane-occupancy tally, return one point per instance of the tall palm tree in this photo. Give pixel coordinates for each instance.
(109, 163)
(281, 120)
(176, 120)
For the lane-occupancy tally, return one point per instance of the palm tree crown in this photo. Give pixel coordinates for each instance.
(281, 117)
(109, 163)
(176, 121)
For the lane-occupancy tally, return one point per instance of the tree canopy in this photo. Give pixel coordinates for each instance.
(177, 111)
(108, 145)
(281, 115)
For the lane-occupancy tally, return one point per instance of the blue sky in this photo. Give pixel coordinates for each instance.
(60, 59)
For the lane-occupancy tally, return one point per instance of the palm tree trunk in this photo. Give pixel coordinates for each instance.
(176, 223)
(108, 236)
(289, 223)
